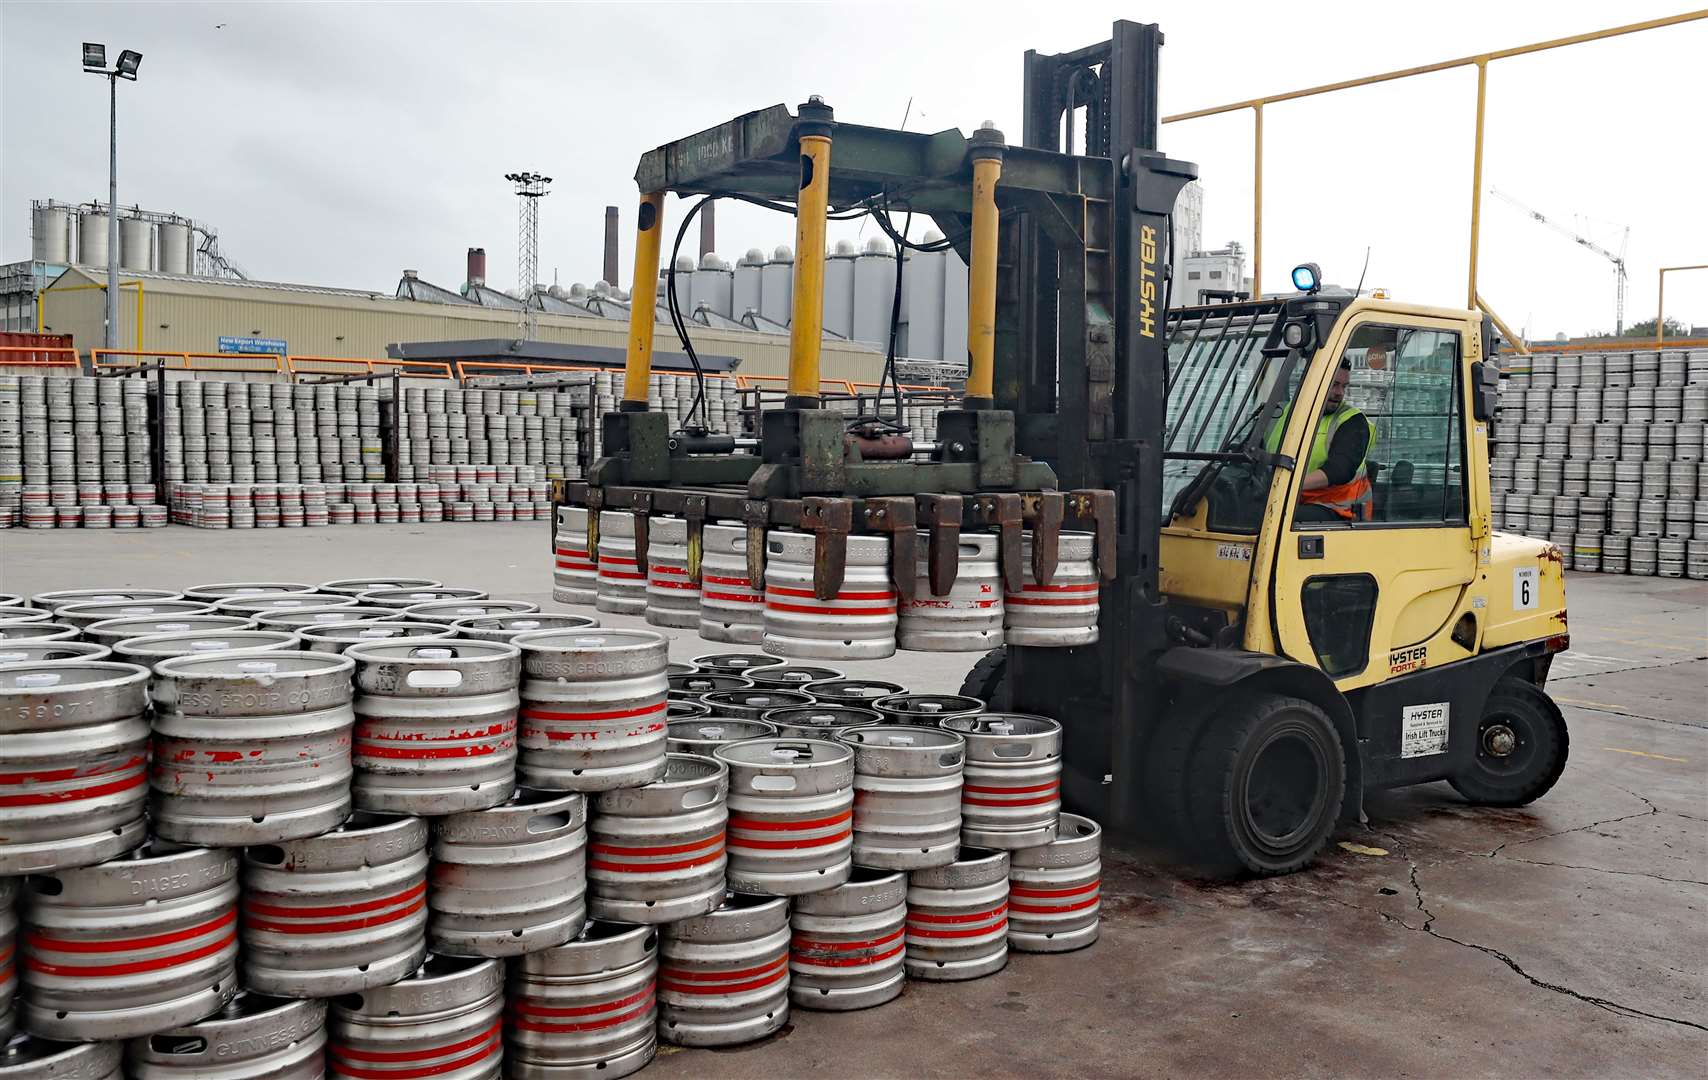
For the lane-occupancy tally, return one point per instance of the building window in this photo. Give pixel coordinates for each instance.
(1192, 275)
(1215, 275)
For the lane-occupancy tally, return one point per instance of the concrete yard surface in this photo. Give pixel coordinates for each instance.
(1566, 938)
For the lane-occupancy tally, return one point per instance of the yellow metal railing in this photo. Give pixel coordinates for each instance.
(41, 302)
(1478, 60)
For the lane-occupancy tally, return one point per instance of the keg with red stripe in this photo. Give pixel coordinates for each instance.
(848, 943)
(250, 747)
(858, 623)
(723, 977)
(445, 1019)
(656, 853)
(732, 609)
(907, 795)
(145, 942)
(588, 1007)
(73, 763)
(435, 725)
(574, 576)
(510, 879)
(29, 1057)
(791, 815)
(336, 913)
(1064, 612)
(622, 581)
(1055, 890)
(593, 708)
(253, 1036)
(957, 918)
(966, 618)
(1013, 789)
(505, 627)
(672, 595)
(449, 611)
(8, 954)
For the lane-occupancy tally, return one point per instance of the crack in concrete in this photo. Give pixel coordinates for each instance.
(1605, 870)
(1651, 811)
(1605, 1004)
(1631, 715)
(1621, 671)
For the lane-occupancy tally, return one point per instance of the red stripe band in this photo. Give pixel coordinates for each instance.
(733, 597)
(654, 867)
(253, 907)
(695, 975)
(1036, 894)
(426, 1070)
(800, 942)
(1050, 909)
(749, 844)
(725, 988)
(850, 961)
(94, 791)
(808, 594)
(534, 712)
(621, 575)
(571, 551)
(975, 931)
(36, 940)
(604, 558)
(1079, 587)
(523, 1008)
(339, 927)
(365, 730)
(660, 849)
(920, 916)
(716, 580)
(660, 569)
(362, 748)
(567, 564)
(815, 609)
(1034, 801)
(349, 1054)
(689, 586)
(76, 772)
(1068, 602)
(134, 967)
(1051, 786)
(586, 1025)
(736, 822)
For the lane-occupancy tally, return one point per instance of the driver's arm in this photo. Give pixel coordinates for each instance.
(1351, 441)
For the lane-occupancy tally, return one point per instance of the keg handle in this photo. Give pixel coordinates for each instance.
(1015, 750)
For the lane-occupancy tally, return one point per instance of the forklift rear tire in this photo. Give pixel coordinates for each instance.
(985, 680)
(1521, 747)
(1267, 779)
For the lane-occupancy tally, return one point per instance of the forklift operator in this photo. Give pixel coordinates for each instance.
(1337, 484)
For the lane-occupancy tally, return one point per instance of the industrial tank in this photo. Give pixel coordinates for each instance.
(136, 244)
(922, 305)
(745, 291)
(874, 291)
(50, 231)
(175, 248)
(839, 288)
(777, 286)
(711, 285)
(91, 239)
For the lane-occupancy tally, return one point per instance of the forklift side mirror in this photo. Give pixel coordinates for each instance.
(1485, 390)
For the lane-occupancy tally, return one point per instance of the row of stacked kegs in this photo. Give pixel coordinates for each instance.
(387, 828)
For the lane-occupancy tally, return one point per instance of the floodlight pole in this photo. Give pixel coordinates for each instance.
(113, 210)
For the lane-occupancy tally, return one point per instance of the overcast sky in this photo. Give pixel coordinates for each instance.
(340, 143)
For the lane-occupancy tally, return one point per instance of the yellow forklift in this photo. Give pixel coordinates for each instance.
(1302, 596)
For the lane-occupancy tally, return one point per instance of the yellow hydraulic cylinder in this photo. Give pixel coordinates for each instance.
(987, 147)
(812, 205)
(637, 371)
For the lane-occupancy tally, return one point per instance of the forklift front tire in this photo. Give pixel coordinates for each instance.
(985, 680)
(1521, 747)
(1265, 787)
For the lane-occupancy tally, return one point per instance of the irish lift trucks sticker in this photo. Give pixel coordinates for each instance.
(1423, 730)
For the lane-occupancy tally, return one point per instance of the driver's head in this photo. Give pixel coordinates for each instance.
(1337, 389)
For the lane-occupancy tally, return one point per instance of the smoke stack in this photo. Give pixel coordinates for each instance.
(477, 266)
(708, 229)
(611, 246)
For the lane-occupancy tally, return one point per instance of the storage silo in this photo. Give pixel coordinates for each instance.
(745, 289)
(684, 286)
(136, 244)
(713, 284)
(874, 291)
(175, 248)
(50, 235)
(922, 305)
(91, 238)
(777, 286)
(954, 308)
(839, 288)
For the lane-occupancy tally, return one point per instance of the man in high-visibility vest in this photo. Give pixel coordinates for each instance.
(1336, 485)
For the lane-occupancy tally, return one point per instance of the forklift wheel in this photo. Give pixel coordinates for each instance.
(1521, 747)
(985, 680)
(1267, 779)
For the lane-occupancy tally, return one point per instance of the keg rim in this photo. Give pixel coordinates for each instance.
(349, 585)
(226, 590)
(521, 607)
(360, 613)
(141, 644)
(310, 665)
(671, 733)
(928, 738)
(183, 607)
(369, 651)
(121, 675)
(757, 691)
(59, 598)
(831, 688)
(94, 651)
(712, 663)
(758, 753)
(54, 631)
(483, 622)
(324, 631)
(225, 622)
(969, 724)
(615, 640)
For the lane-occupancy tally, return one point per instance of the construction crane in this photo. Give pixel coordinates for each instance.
(1618, 260)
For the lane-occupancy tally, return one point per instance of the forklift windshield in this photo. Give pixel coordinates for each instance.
(1219, 384)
